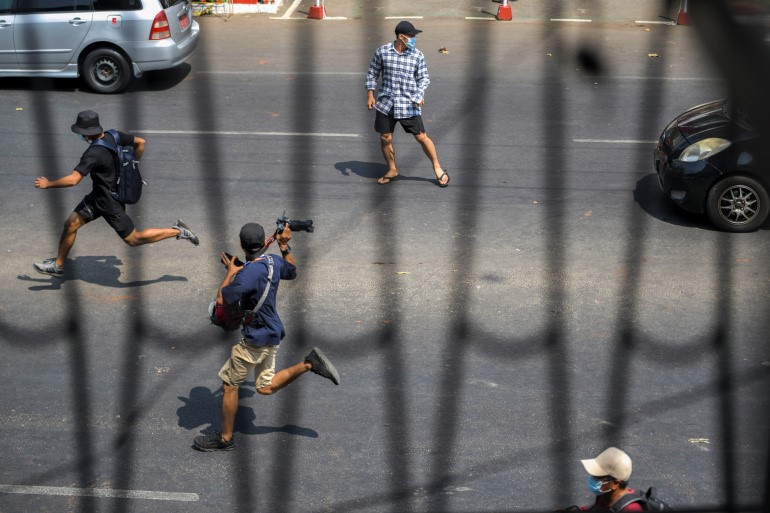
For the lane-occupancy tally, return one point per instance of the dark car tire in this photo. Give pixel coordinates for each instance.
(738, 204)
(106, 71)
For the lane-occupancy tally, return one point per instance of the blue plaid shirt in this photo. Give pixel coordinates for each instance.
(404, 80)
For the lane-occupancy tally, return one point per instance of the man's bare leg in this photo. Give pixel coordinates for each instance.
(386, 145)
(430, 151)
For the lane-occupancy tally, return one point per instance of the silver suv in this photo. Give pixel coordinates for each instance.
(105, 41)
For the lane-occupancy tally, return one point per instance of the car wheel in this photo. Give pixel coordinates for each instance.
(737, 204)
(106, 71)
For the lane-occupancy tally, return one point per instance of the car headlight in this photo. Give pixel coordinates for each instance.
(704, 149)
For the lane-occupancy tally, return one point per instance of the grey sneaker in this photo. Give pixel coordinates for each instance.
(185, 232)
(322, 366)
(49, 267)
(213, 443)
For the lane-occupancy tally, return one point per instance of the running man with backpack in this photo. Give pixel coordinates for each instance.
(102, 161)
(251, 288)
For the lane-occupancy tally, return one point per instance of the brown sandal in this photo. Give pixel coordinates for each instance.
(385, 180)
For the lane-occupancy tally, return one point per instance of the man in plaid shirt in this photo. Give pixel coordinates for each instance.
(402, 93)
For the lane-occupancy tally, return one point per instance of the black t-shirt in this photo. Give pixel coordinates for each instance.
(101, 164)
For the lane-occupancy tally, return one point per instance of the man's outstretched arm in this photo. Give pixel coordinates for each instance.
(71, 179)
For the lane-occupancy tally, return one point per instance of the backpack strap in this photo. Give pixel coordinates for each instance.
(624, 501)
(115, 135)
(102, 142)
(262, 298)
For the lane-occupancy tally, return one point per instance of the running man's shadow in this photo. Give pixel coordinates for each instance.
(99, 270)
(373, 170)
(205, 407)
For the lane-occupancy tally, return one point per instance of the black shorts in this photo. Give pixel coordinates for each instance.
(117, 218)
(386, 123)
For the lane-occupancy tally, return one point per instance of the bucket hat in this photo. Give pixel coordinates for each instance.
(87, 123)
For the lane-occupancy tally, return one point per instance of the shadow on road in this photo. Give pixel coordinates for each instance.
(151, 81)
(203, 405)
(652, 200)
(99, 270)
(373, 170)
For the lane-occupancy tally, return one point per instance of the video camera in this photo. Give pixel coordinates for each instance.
(295, 225)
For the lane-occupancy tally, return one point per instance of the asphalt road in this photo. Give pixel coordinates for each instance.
(548, 303)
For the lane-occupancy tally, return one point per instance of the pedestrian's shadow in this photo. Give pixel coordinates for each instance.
(99, 270)
(373, 170)
(204, 408)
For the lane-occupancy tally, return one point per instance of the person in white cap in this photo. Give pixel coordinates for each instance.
(608, 476)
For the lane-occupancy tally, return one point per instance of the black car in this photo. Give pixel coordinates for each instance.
(710, 159)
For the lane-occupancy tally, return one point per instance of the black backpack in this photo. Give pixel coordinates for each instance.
(648, 500)
(129, 181)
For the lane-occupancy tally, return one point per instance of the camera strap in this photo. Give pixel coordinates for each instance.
(265, 292)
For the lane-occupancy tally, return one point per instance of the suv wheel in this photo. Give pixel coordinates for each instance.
(106, 71)
(738, 204)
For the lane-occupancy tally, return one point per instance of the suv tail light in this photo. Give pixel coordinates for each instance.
(160, 28)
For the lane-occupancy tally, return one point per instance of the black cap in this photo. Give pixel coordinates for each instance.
(87, 123)
(252, 238)
(406, 28)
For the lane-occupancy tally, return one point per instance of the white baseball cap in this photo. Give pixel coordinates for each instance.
(611, 462)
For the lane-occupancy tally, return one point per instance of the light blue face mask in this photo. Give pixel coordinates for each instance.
(595, 485)
(411, 43)
(82, 137)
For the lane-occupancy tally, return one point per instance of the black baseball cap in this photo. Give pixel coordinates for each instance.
(252, 237)
(87, 123)
(406, 28)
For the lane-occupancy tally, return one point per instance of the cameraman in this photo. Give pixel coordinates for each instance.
(241, 291)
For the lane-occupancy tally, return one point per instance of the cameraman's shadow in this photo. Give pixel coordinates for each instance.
(204, 407)
(373, 170)
(99, 270)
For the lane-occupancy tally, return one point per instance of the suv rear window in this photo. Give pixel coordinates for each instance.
(169, 3)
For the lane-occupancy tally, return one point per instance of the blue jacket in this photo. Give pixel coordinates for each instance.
(245, 290)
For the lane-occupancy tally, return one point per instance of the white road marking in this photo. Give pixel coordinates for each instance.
(357, 73)
(485, 18)
(580, 20)
(361, 73)
(99, 492)
(672, 79)
(614, 141)
(655, 22)
(290, 10)
(239, 132)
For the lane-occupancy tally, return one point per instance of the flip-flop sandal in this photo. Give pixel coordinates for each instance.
(387, 179)
(438, 182)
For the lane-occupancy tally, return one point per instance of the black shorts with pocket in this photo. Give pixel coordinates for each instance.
(386, 123)
(115, 217)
